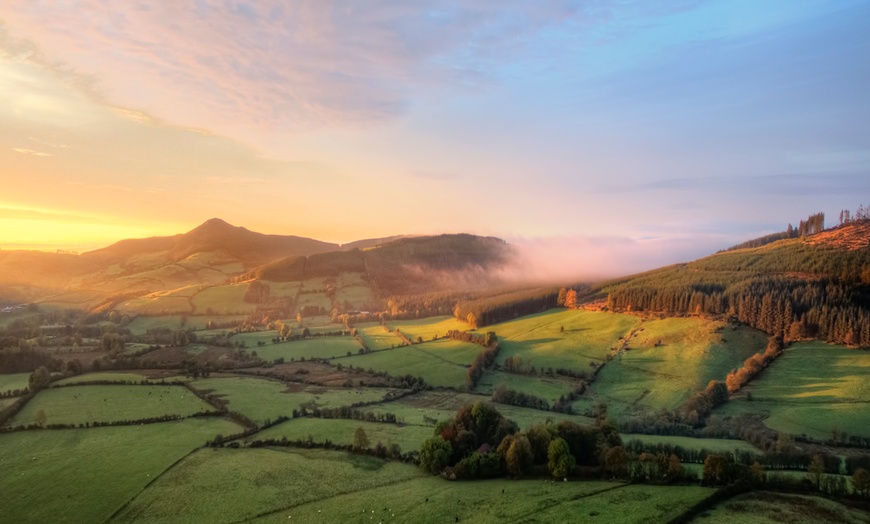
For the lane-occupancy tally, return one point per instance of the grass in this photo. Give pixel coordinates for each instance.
(262, 399)
(141, 324)
(376, 337)
(539, 340)
(692, 352)
(226, 299)
(313, 299)
(157, 304)
(340, 431)
(453, 351)
(409, 360)
(112, 376)
(773, 508)
(427, 328)
(358, 296)
(714, 445)
(811, 389)
(433, 500)
(322, 347)
(260, 481)
(442, 405)
(84, 475)
(549, 389)
(13, 381)
(81, 404)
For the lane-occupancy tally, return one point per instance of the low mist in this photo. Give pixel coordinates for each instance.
(582, 258)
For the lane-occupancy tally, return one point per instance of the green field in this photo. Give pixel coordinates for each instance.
(261, 399)
(340, 431)
(376, 337)
(811, 389)
(432, 500)
(260, 481)
(539, 340)
(549, 389)
(774, 508)
(81, 404)
(91, 377)
(715, 445)
(427, 328)
(226, 300)
(692, 352)
(320, 347)
(84, 475)
(453, 351)
(442, 405)
(13, 381)
(408, 360)
(358, 296)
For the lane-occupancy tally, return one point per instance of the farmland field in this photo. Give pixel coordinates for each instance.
(691, 353)
(432, 500)
(539, 340)
(550, 389)
(108, 376)
(341, 431)
(811, 389)
(319, 347)
(261, 481)
(773, 508)
(376, 337)
(227, 300)
(13, 381)
(67, 465)
(710, 444)
(81, 404)
(427, 328)
(262, 399)
(408, 360)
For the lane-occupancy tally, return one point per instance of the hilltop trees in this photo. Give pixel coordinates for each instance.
(39, 379)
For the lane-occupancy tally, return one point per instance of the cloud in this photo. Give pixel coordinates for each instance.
(295, 66)
(26, 151)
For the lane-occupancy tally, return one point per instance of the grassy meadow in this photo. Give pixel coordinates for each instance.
(82, 404)
(341, 431)
(774, 508)
(428, 328)
(13, 381)
(85, 475)
(410, 360)
(539, 340)
(322, 347)
(261, 399)
(691, 352)
(812, 388)
(376, 337)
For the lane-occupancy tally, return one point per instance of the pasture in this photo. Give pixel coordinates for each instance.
(773, 508)
(428, 328)
(714, 445)
(691, 353)
(13, 381)
(341, 431)
(84, 475)
(549, 389)
(309, 348)
(223, 300)
(108, 376)
(539, 341)
(812, 388)
(408, 360)
(261, 481)
(82, 404)
(376, 337)
(262, 399)
(433, 500)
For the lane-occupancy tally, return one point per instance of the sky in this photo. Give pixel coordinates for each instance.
(614, 134)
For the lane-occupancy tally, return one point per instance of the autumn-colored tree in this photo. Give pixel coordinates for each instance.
(816, 470)
(560, 461)
(472, 320)
(616, 460)
(40, 418)
(861, 481)
(518, 458)
(360, 439)
(714, 470)
(759, 476)
(560, 298)
(571, 299)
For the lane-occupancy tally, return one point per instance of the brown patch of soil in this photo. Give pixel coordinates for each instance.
(853, 236)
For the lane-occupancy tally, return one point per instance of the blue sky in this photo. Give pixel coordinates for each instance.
(674, 128)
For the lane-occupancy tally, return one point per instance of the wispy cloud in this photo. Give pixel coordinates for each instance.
(292, 66)
(33, 152)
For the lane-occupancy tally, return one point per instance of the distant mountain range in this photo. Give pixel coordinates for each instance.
(216, 252)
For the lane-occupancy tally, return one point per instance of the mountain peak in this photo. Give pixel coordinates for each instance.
(213, 225)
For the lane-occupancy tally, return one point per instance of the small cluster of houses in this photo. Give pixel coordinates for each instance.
(12, 309)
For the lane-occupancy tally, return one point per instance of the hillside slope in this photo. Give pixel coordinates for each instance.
(817, 285)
